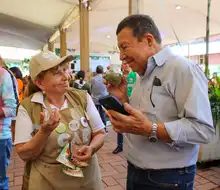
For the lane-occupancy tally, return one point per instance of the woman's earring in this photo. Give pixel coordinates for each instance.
(43, 92)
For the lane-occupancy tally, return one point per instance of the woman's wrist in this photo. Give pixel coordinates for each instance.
(44, 132)
(93, 149)
(97, 141)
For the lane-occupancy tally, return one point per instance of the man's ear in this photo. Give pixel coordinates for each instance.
(148, 39)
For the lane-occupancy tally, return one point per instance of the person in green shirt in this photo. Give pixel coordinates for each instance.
(131, 80)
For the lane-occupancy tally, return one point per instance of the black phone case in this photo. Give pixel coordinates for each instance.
(112, 103)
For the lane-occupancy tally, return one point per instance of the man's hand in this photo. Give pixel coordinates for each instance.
(120, 91)
(135, 123)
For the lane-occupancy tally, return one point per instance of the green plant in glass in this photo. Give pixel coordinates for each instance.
(114, 74)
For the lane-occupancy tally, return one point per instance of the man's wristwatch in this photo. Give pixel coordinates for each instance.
(153, 136)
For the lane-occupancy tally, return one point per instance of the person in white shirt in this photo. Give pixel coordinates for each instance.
(50, 118)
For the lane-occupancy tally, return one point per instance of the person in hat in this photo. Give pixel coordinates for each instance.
(52, 118)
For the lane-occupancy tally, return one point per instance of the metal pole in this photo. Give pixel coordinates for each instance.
(207, 39)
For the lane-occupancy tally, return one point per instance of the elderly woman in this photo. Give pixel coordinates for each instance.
(53, 118)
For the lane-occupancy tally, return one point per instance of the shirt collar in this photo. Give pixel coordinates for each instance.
(159, 59)
(99, 75)
(162, 56)
(38, 97)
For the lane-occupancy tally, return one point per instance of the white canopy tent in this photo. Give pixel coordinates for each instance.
(186, 17)
(30, 24)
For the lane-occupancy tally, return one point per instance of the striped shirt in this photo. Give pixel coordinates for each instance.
(7, 103)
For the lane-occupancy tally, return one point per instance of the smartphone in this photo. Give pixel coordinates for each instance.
(112, 103)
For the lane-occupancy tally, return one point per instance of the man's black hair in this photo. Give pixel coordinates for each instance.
(140, 24)
(99, 69)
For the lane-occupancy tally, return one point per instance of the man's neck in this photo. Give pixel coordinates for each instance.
(157, 49)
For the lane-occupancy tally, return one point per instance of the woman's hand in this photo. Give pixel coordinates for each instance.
(33, 148)
(48, 126)
(84, 153)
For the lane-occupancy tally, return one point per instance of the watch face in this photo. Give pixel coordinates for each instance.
(152, 139)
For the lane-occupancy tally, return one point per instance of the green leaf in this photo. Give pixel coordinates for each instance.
(218, 79)
(217, 91)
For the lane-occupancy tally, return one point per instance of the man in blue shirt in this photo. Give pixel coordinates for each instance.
(99, 90)
(169, 109)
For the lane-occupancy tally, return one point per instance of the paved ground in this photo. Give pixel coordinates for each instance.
(113, 169)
